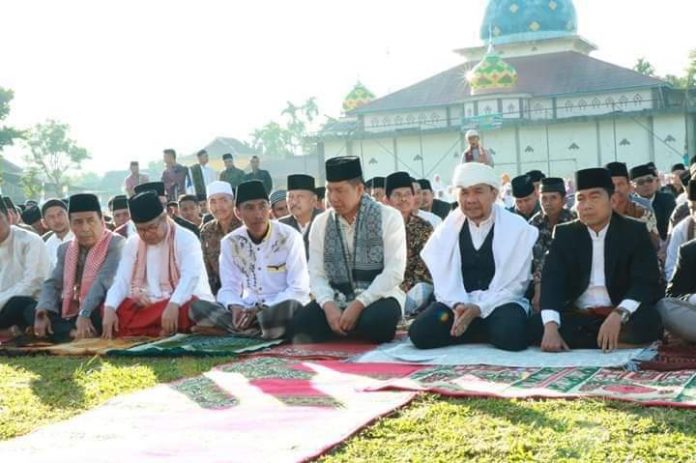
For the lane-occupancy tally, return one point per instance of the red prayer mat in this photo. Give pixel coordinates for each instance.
(650, 388)
(672, 357)
(259, 409)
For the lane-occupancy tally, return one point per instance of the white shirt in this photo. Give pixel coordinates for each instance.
(24, 265)
(431, 218)
(267, 273)
(480, 232)
(52, 245)
(386, 284)
(193, 278)
(596, 294)
(679, 236)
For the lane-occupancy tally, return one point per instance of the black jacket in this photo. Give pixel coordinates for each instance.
(663, 204)
(290, 220)
(630, 264)
(441, 208)
(683, 283)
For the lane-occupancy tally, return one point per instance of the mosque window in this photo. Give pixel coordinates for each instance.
(637, 99)
(582, 104)
(398, 120)
(596, 103)
(610, 103)
(410, 119)
(374, 122)
(569, 106)
(434, 118)
(422, 118)
(386, 121)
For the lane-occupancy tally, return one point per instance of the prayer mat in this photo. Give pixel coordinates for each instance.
(195, 345)
(89, 346)
(672, 357)
(260, 409)
(325, 351)
(649, 388)
(482, 354)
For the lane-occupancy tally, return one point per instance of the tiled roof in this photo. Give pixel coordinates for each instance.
(561, 73)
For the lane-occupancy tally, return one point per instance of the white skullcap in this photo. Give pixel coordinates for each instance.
(218, 187)
(471, 133)
(474, 173)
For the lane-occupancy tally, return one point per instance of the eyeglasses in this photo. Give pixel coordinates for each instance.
(152, 228)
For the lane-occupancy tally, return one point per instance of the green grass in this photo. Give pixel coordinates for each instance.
(38, 390)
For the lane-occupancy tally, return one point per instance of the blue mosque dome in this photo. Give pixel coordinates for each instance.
(509, 21)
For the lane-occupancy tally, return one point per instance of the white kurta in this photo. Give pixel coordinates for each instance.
(267, 273)
(209, 176)
(193, 278)
(679, 236)
(24, 265)
(386, 284)
(52, 245)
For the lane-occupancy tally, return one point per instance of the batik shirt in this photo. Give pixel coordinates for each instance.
(417, 233)
(543, 243)
(211, 236)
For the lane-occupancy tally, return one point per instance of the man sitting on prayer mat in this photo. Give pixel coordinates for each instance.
(160, 272)
(263, 271)
(480, 259)
(159, 188)
(418, 284)
(71, 298)
(678, 309)
(24, 265)
(601, 278)
(684, 231)
(357, 258)
(221, 205)
(302, 204)
(54, 214)
(526, 197)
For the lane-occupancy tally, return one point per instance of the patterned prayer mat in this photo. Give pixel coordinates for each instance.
(674, 389)
(327, 351)
(87, 347)
(259, 409)
(195, 345)
(672, 357)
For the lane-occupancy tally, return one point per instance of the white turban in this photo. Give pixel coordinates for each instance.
(218, 187)
(471, 133)
(474, 173)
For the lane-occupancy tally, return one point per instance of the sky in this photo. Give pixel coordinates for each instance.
(132, 77)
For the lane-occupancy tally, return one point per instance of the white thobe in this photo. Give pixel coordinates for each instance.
(24, 265)
(386, 284)
(52, 245)
(193, 278)
(267, 273)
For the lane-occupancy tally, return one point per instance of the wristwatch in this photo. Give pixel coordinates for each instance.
(84, 313)
(625, 314)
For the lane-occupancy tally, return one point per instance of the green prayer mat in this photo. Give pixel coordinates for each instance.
(196, 345)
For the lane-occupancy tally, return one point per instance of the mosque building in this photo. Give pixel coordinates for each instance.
(537, 97)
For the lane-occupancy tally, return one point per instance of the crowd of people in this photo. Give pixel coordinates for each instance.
(606, 264)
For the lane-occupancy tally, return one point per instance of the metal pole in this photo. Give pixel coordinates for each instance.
(548, 151)
(420, 140)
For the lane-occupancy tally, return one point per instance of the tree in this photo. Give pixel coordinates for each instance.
(7, 134)
(54, 153)
(31, 182)
(272, 140)
(644, 67)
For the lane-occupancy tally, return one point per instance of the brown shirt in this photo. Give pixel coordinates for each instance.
(211, 237)
(418, 232)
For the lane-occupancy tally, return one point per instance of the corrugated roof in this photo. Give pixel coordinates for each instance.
(561, 73)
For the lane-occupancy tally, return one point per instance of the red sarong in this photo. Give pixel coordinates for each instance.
(135, 320)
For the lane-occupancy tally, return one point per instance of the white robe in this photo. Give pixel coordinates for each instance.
(513, 241)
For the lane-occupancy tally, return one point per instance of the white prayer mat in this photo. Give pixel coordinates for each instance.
(403, 351)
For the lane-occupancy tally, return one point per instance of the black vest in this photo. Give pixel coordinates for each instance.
(478, 267)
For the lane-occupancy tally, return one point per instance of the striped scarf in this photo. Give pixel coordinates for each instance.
(93, 263)
(350, 275)
(169, 272)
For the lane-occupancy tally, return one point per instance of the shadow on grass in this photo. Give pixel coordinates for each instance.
(61, 382)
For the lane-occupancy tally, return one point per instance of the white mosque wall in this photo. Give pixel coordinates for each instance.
(390, 121)
(670, 140)
(604, 103)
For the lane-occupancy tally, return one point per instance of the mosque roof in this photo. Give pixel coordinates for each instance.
(551, 74)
